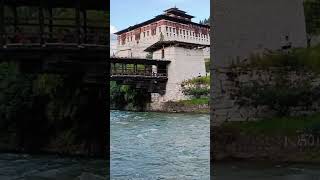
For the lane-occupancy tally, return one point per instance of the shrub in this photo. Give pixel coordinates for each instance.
(280, 96)
(196, 87)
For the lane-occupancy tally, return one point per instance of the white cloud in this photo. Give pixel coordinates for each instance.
(113, 29)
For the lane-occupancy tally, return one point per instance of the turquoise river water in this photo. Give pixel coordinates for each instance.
(151, 146)
(147, 146)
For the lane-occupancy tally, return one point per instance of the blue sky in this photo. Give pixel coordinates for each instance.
(125, 13)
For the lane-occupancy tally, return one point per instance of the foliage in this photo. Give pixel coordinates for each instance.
(196, 87)
(15, 92)
(280, 96)
(298, 58)
(277, 125)
(205, 21)
(283, 94)
(205, 80)
(125, 96)
(36, 109)
(312, 16)
(23, 101)
(196, 92)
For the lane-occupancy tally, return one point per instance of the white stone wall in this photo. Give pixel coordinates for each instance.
(245, 27)
(136, 49)
(185, 64)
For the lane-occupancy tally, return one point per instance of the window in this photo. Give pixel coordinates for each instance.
(170, 29)
(159, 29)
(180, 31)
(174, 30)
(184, 32)
(131, 38)
(167, 28)
(147, 33)
(162, 54)
(144, 34)
(187, 33)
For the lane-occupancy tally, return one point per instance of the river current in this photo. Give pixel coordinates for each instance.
(146, 146)
(151, 146)
(159, 146)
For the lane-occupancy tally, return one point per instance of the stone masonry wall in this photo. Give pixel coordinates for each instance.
(231, 79)
(298, 147)
(244, 27)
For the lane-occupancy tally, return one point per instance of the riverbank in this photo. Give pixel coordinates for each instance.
(198, 106)
(294, 140)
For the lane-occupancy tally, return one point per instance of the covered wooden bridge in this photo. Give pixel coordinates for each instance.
(56, 36)
(66, 37)
(149, 74)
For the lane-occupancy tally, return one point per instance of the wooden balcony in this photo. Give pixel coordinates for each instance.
(78, 25)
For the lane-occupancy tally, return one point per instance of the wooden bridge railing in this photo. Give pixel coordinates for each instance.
(43, 30)
(123, 70)
(94, 38)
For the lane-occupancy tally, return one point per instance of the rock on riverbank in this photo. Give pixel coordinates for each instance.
(180, 107)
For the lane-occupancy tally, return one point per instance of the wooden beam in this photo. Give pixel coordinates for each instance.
(15, 18)
(78, 22)
(50, 22)
(2, 25)
(41, 23)
(85, 25)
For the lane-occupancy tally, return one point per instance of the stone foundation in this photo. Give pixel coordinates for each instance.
(231, 144)
(228, 81)
(239, 31)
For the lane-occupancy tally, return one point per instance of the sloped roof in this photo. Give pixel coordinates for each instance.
(160, 17)
(162, 44)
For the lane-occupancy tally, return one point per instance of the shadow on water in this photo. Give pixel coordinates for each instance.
(50, 167)
(265, 171)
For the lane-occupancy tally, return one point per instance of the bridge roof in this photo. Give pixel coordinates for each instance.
(138, 61)
(160, 44)
(86, 4)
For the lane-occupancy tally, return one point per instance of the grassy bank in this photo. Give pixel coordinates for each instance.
(277, 125)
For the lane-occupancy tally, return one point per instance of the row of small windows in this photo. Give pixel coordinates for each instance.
(184, 32)
(173, 30)
(188, 37)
